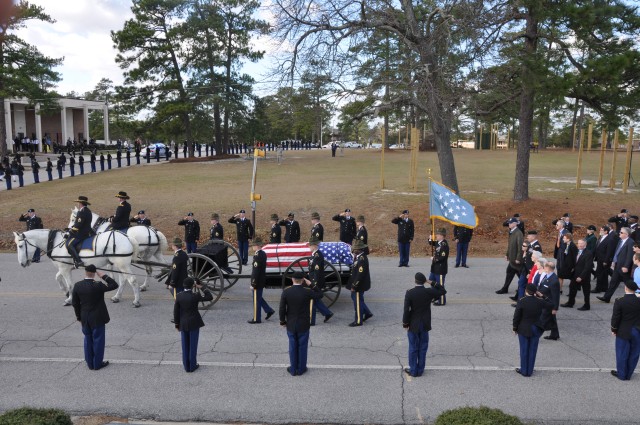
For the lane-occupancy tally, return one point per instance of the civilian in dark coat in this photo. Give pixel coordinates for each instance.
(405, 237)
(621, 264)
(416, 319)
(550, 288)
(91, 311)
(605, 248)
(294, 315)
(581, 276)
(347, 226)
(625, 325)
(258, 282)
(188, 321)
(526, 324)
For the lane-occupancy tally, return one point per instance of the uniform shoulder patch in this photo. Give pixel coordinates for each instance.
(361, 269)
(174, 266)
(255, 264)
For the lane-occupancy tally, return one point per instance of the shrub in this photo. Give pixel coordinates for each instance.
(30, 416)
(476, 416)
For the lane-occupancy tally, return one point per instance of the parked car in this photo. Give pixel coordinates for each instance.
(162, 149)
(352, 145)
(327, 146)
(375, 146)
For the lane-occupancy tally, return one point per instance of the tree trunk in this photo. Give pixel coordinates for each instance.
(220, 148)
(227, 84)
(573, 123)
(525, 118)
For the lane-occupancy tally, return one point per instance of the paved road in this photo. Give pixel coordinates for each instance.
(355, 374)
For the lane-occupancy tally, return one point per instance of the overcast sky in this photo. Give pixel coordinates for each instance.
(82, 35)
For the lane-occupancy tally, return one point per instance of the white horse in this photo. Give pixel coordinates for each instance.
(151, 242)
(110, 249)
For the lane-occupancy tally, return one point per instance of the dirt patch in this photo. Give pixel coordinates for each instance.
(97, 420)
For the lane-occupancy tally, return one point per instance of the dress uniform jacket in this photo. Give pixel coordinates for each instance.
(417, 307)
(626, 315)
(141, 221)
(316, 269)
(405, 229)
(528, 312)
(33, 223)
(185, 310)
(292, 232)
(88, 301)
(363, 236)
(259, 270)
(244, 228)
(360, 279)
(462, 234)
(81, 228)
(179, 270)
(318, 231)
(347, 227)
(191, 230)
(276, 234)
(121, 217)
(439, 265)
(294, 307)
(216, 232)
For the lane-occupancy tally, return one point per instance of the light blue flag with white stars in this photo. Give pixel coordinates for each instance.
(446, 205)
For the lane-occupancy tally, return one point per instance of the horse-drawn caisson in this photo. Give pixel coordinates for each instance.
(216, 263)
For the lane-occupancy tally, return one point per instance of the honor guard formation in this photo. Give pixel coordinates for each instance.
(542, 281)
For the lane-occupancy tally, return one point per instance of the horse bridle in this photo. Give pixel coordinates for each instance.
(26, 241)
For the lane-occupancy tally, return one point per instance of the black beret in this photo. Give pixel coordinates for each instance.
(532, 232)
(90, 268)
(591, 227)
(420, 278)
(298, 275)
(629, 283)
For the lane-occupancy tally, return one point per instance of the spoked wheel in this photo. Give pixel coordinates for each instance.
(207, 271)
(234, 265)
(332, 279)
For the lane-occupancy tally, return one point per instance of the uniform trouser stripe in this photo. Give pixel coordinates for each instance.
(358, 308)
(255, 306)
(311, 310)
(440, 282)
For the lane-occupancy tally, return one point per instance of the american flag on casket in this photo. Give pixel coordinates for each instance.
(280, 256)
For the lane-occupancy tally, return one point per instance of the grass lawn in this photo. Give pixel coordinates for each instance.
(309, 181)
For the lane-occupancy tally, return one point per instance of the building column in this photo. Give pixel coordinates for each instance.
(39, 128)
(63, 111)
(85, 115)
(7, 123)
(106, 124)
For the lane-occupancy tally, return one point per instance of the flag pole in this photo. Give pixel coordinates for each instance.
(432, 237)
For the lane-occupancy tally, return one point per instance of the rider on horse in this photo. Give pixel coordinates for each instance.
(80, 230)
(120, 221)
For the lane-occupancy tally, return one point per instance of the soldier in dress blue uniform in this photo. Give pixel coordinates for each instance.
(275, 234)
(462, 236)
(439, 262)
(316, 276)
(92, 160)
(625, 325)
(317, 230)
(347, 226)
(120, 220)
(33, 222)
(361, 234)
(292, 232)
(405, 237)
(49, 169)
(80, 230)
(416, 319)
(294, 315)
(179, 265)
(244, 233)
(188, 320)
(258, 283)
(191, 232)
(359, 282)
(141, 219)
(528, 327)
(216, 232)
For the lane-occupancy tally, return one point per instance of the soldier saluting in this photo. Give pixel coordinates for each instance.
(275, 235)
(33, 222)
(141, 219)
(244, 233)
(347, 226)
(292, 232)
